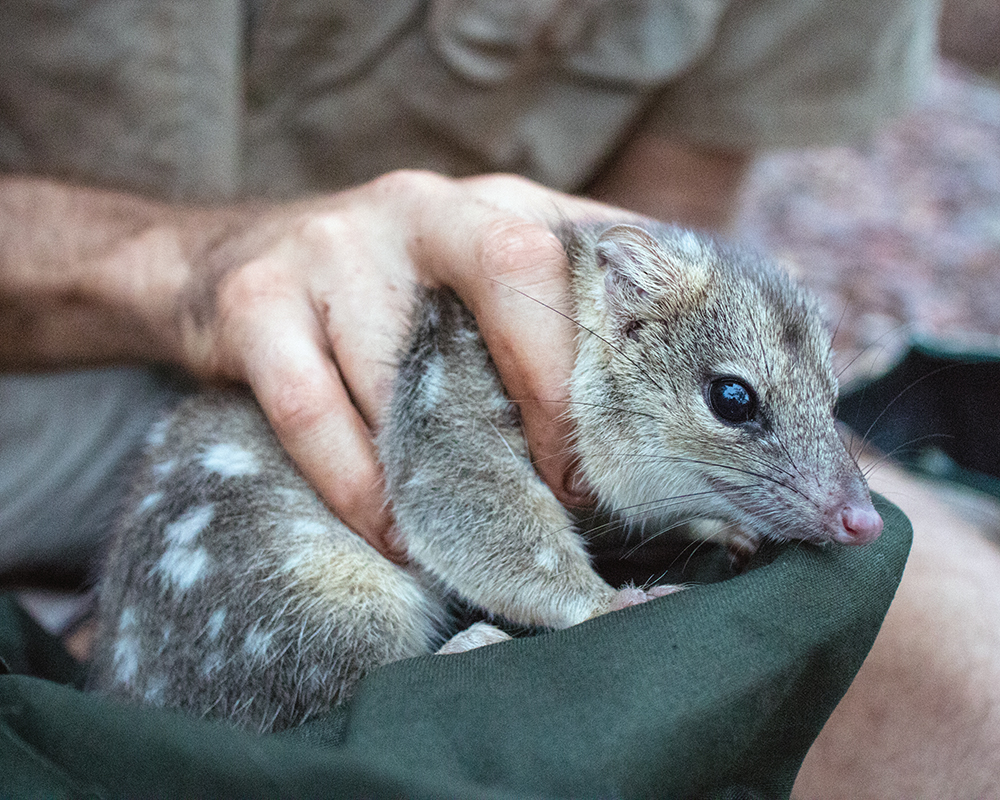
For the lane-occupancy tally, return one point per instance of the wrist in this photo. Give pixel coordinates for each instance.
(90, 276)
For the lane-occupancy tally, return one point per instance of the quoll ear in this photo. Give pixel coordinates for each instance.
(638, 266)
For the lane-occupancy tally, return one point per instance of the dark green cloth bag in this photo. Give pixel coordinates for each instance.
(936, 412)
(716, 692)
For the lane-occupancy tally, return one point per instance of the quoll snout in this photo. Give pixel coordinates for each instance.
(859, 523)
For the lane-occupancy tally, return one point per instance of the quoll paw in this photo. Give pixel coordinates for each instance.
(741, 548)
(478, 635)
(633, 596)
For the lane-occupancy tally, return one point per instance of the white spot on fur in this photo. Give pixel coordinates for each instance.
(547, 559)
(128, 619)
(432, 383)
(293, 498)
(149, 502)
(257, 643)
(163, 469)
(212, 662)
(155, 688)
(229, 460)
(215, 623)
(157, 435)
(185, 529)
(126, 659)
(183, 566)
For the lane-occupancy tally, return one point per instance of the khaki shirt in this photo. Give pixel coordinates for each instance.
(214, 99)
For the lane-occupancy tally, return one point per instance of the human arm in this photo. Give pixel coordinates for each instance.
(305, 301)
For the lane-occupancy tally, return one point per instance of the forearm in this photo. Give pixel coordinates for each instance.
(88, 276)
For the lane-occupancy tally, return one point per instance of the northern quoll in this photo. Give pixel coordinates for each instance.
(702, 390)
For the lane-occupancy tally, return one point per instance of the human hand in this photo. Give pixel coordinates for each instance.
(308, 303)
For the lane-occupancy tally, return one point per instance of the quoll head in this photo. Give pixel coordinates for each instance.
(704, 389)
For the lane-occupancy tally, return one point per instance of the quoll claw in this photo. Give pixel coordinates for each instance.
(478, 635)
(633, 596)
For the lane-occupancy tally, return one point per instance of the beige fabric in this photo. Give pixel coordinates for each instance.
(185, 100)
(544, 89)
(805, 72)
(128, 93)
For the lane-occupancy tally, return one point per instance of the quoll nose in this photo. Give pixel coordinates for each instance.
(861, 524)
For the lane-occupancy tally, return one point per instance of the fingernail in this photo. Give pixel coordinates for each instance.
(577, 486)
(395, 545)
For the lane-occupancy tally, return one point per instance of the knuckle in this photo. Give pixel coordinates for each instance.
(407, 183)
(324, 229)
(297, 404)
(510, 247)
(502, 183)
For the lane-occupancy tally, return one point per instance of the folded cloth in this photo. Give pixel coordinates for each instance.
(715, 692)
(935, 411)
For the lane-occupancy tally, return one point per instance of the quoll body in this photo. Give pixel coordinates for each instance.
(702, 393)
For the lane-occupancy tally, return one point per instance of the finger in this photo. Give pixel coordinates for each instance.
(522, 308)
(303, 397)
(512, 275)
(526, 199)
(362, 306)
(518, 257)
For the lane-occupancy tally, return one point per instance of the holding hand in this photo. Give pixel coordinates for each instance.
(308, 303)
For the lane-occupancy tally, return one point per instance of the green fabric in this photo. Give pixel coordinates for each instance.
(716, 692)
(27, 649)
(936, 412)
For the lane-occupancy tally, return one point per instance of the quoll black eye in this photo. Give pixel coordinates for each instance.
(732, 400)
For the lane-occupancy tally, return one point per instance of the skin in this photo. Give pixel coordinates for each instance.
(674, 181)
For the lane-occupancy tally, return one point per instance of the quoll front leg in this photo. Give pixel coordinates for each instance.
(479, 634)
(482, 634)
(468, 502)
(740, 545)
(633, 595)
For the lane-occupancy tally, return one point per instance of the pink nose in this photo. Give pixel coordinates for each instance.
(861, 525)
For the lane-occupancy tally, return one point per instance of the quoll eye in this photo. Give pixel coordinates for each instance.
(732, 400)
